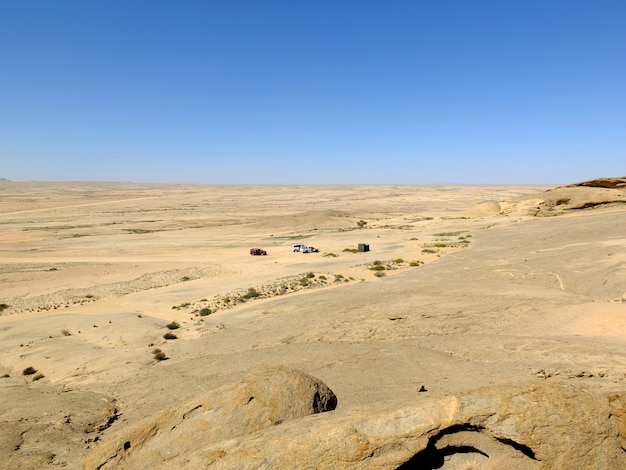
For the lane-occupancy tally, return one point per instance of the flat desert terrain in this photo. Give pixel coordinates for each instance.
(470, 300)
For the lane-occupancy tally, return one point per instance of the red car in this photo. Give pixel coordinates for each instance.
(257, 251)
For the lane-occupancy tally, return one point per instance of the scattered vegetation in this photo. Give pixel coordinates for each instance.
(173, 325)
(170, 335)
(415, 263)
(428, 250)
(140, 230)
(377, 267)
(29, 371)
(351, 250)
(185, 279)
(330, 255)
(183, 305)
(361, 223)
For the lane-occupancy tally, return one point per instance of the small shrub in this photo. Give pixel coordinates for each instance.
(378, 267)
(429, 250)
(66, 332)
(252, 293)
(205, 311)
(379, 273)
(361, 223)
(330, 255)
(415, 263)
(170, 335)
(322, 278)
(29, 371)
(159, 355)
(89, 296)
(440, 245)
(351, 250)
(174, 325)
(38, 376)
(398, 261)
(3, 307)
(338, 277)
(377, 263)
(185, 279)
(310, 275)
(304, 282)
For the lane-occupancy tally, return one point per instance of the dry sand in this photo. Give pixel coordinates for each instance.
(480, 287)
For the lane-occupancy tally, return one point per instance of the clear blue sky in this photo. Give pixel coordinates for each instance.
(297, 92)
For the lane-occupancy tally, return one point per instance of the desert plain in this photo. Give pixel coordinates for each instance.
(484, 328)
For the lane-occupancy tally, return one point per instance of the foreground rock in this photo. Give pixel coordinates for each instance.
(266, 397)
(265, 421)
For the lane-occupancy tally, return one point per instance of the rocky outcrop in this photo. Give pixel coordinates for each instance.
(611, 183)
(267, 397)
(556, 201)
(525, 426)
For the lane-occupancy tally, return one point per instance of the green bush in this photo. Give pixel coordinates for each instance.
(29, 371)
(378, 267)
(310, 275)
(379, 274)
(398, 261)
(3, 307)
(415, 263)
(174, 325)
(252, 293)
(38, 376)
(205, 311)
(170, 335)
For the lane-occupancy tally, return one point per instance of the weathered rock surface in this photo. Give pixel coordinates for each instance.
(266, 397)
(525, 426)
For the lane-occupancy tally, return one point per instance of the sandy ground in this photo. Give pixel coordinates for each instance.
(91, 274)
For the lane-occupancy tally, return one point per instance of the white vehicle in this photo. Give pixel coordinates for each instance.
(308, 249)
(297, 247)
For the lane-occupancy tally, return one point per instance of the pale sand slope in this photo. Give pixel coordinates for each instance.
(510, 297)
